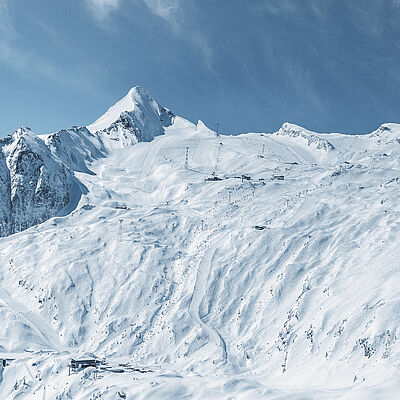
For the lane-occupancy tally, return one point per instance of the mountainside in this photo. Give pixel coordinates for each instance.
(198, 265)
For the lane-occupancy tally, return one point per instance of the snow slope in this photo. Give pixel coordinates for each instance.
(246, 287)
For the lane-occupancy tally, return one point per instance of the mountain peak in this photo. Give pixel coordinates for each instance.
(137, 97)
(137, 117)
(138, 91)
(24, 137)
(22, 130)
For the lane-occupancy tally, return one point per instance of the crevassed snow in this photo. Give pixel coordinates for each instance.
(232, 288)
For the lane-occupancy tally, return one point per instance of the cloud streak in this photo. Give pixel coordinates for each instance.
(102, 8)
(274, 7)
(7, 34)
(6, 28)
(165, 9)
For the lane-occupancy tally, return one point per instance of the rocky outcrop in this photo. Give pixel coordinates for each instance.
(5, 198)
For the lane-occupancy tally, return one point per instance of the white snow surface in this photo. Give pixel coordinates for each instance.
(235, 288)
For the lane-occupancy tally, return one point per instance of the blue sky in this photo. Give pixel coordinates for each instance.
(328, 65)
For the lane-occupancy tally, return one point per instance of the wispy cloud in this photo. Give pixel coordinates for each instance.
(166, 9)
(274, 7)
(360, 10)
(173, 11)
(102, 8)
(6, 27)
(7, 32)
(291, 8)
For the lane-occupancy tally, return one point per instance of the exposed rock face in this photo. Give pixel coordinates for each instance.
(5, 198)
(34, 184)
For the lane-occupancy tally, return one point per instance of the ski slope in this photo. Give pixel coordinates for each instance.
(234, 288)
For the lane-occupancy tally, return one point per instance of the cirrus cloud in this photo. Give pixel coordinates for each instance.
(166, 9)
(103, 8)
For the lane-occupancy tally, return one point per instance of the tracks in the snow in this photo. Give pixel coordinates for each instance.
(200, 288)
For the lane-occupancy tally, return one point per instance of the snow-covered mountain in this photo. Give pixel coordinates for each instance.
(36, 171)
(199, 265)
(135, 118)
(35, 185)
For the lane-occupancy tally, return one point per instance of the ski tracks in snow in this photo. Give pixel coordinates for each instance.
(151, 156)
(199, 291)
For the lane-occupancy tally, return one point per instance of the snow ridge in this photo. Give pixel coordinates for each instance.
(386, 134)
(75, 147)
(312, 139)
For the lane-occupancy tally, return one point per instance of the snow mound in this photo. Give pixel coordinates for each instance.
(312, 139)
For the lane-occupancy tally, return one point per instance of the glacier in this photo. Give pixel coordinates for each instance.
(198, 265)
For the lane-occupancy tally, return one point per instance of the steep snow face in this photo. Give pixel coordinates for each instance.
(75, 147)
(311, 138)
(135, 118)
(34, 184)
